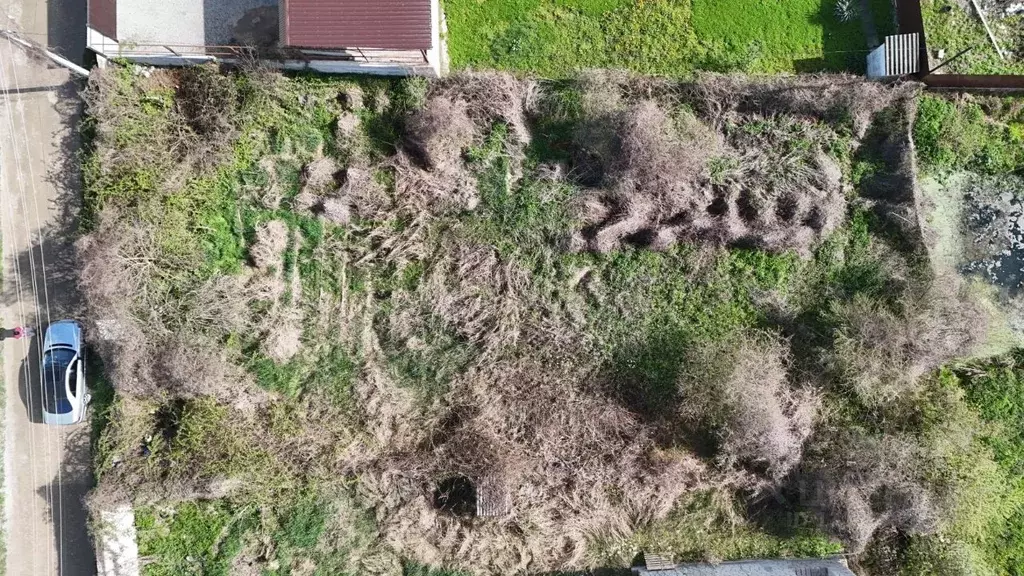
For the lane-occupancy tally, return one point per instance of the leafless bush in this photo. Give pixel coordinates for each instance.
(831, 98)
(219, 306)
(653, 153)
(742, 392)
(881, 353)
(191, 367)
(863, 483)
(491, 97)
(207, 102)
(267, 249)
(575, 465)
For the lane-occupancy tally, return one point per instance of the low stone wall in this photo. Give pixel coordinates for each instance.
(117, 552)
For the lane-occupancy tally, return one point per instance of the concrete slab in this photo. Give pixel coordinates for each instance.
(184, 23)
(118, 551)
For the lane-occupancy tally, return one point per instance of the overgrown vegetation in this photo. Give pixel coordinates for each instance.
(953, 27)
(609, 314)
(675, 38)
(961, 134)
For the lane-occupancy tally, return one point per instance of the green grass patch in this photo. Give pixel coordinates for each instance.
(988, 527)
(948, 26)
(555, 38)
(953, 135)
(196, 538)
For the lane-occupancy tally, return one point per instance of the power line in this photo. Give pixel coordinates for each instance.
(21, 312)
(56, 509)
(46, 299)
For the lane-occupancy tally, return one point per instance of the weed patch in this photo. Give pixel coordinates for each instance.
(617, 312)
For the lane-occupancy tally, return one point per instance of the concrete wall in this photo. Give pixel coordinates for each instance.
(117, 552)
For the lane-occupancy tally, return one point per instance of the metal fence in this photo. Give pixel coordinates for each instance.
(910, 20)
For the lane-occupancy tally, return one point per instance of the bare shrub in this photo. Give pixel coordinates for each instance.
(208, 103)
(832, 98)
(576, 464)
(439, 133)
(192, 367)
(865, 483)
(881, 353)
(742, 392)
(219, 306)
(653, 154)
(491, 97)
(269, 244)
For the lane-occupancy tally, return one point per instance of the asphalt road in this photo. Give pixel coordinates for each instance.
(47, 470)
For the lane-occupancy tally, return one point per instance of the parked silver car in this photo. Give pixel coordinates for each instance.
(65, 394)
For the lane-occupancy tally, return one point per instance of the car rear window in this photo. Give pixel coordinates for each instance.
(55, 366)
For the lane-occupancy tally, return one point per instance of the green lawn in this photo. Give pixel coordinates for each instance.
(672, 37)
(950, 28)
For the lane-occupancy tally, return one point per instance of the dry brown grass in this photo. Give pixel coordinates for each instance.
(657, 189)
(741, 391)
(575, 464)
(881, 353)
(320, 176)
(440, 132)
(268, 247)
(284, 338)
(490, 97)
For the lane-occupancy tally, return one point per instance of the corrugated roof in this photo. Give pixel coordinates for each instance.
(389, 24)
(902, 54)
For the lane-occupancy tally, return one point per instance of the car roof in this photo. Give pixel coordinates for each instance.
(66, 333)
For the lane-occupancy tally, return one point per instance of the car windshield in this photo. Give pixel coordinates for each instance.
(55, 366)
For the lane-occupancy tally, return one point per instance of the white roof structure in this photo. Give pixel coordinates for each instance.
(899, 55)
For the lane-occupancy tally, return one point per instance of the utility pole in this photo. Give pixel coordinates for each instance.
(33, 47)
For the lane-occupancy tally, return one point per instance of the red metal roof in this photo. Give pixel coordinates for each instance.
(102, 15)
(392, 24)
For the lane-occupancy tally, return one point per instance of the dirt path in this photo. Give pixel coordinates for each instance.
(47, 469)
